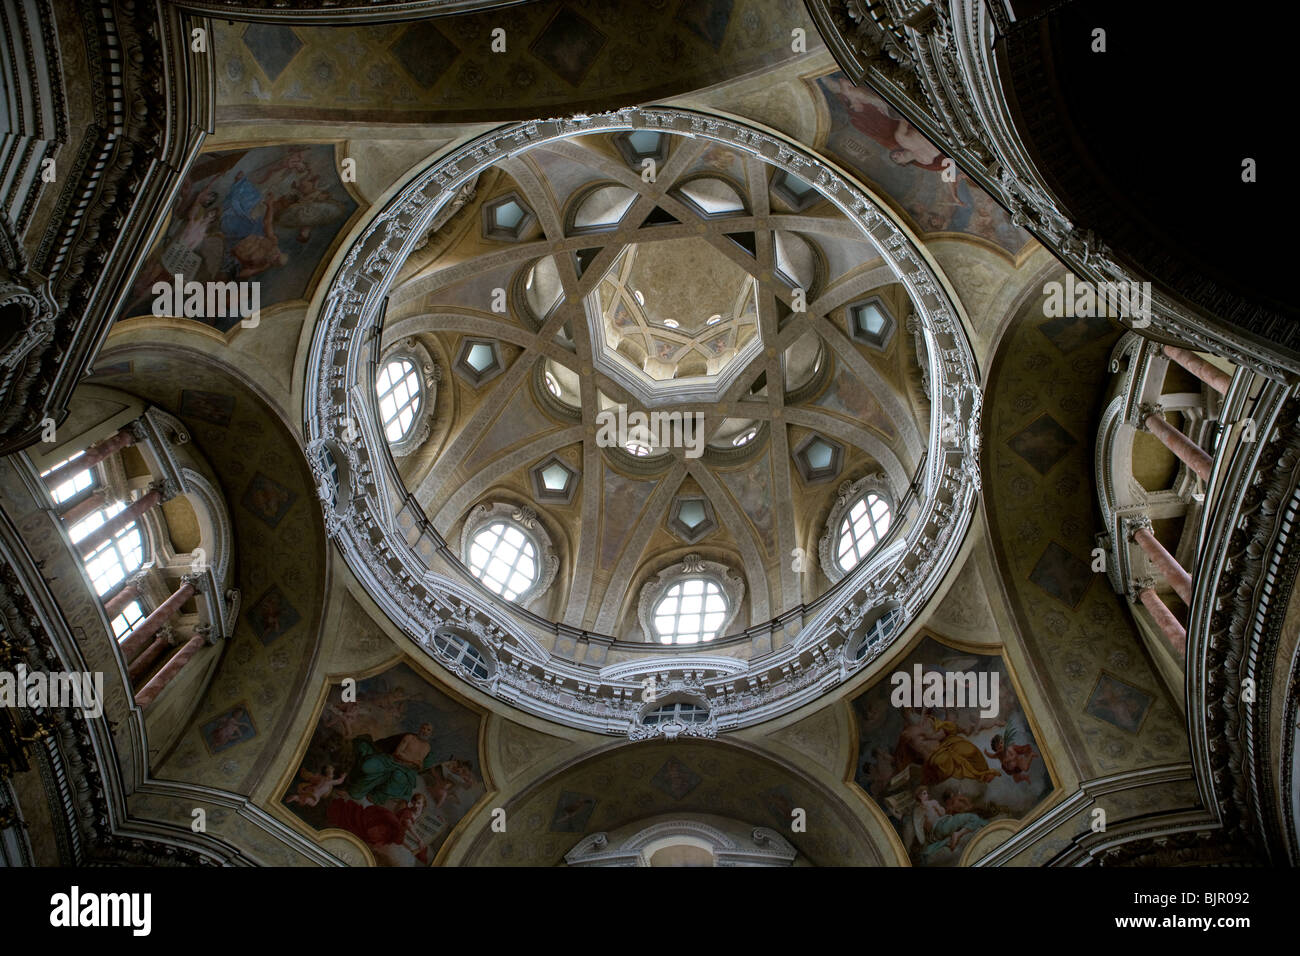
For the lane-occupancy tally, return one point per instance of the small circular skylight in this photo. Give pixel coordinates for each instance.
(745, 437)
(671, 323)
(714, 319)
(552, 385)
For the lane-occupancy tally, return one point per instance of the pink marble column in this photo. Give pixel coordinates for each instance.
(125, 595)
(1211, 375)
(84, 508)
(138, 639)
(1190, 453)
(149, 693)
(93, 456)
(113, 525)
(141, 664)
(1168, 565)
(1165, 620)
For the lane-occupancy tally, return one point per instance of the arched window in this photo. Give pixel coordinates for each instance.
(861, 529)
(74, 485)
(126, 620)
(110, 563)
(691, 611)
(683, 711)
(504, 559)
(877, 631)
(398, 389)
(460, 653)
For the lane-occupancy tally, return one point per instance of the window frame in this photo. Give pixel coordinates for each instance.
(847, 525)
(848, 495)
(681, 581)
(528, 523)
(730, 584)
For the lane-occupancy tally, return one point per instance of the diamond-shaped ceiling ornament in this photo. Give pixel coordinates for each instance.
(272, 47)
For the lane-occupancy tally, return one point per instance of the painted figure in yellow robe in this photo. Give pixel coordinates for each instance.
(941, 750)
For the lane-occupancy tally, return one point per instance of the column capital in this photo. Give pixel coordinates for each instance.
(199, 582)
(1147, 409)
(138, 428)
(1132, 524)
(167, 488)
(1138, 585)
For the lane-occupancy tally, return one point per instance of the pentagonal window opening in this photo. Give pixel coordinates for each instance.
(818, 459)
(794, 191)
(478, 361)
(870, 322)
(692, 517)
(554, 481)
(638, 145)
(507, 217)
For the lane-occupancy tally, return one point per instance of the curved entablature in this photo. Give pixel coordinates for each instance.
(556, 670)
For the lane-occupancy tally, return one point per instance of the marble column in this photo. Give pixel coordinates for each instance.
(124, 596)
(1188, 452)
(1165, 563)
(1210, 374)
(86, 507)
(122, 519)
(1165, 620)
(93, 456)
(141, 664)
(169, 671)
(138, 639)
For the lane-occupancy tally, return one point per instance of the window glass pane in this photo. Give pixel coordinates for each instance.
(504, 559)
(398, 389)
(690, 611)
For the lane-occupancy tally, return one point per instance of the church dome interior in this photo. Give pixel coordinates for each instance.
(688, 433)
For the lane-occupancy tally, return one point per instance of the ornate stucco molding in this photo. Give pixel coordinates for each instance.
(146, 107)
(416, 578)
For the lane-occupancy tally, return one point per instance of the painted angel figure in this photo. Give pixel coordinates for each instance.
(315, 787)
(1015, 758)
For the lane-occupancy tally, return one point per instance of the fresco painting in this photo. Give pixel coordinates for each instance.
(269, 214)
(871, 138)
(941, 773)
(397, 767)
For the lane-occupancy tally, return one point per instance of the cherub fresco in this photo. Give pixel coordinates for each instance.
(1015, 759)
(314, 787)
(943, 772)
(394, 767)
